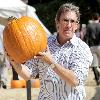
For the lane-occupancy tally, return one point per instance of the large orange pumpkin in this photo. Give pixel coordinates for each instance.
(18, 83)
(24, 38)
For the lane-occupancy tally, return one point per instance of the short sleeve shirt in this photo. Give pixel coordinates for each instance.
(74, 55)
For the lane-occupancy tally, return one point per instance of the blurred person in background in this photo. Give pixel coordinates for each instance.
(81, 31)
(92, 38)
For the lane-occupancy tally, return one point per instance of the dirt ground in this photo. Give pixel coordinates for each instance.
(92, 91)
(18, 93)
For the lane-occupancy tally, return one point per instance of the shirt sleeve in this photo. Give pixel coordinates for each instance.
(80, 61)
(33, 67)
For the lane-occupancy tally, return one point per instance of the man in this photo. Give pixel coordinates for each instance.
(92, 38)
(63, 67)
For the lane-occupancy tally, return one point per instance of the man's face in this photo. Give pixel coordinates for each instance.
(67, 25)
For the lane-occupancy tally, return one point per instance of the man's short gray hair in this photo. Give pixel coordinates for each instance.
(67, 7)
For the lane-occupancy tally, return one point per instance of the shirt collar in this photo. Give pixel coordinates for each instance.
(72, 41)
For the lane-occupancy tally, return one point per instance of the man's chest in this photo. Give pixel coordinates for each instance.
(62, 56)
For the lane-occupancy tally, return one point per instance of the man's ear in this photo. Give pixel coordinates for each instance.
(77, 26)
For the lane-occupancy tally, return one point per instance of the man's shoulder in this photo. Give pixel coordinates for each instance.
(98, 24)
(93, 24)
(82, 44)
(52, 37)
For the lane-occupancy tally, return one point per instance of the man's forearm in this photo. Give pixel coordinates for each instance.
(66, 74)
(22, 70)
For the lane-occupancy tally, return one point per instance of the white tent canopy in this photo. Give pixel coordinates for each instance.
(11, 3)
(18, 8)
(12, 7)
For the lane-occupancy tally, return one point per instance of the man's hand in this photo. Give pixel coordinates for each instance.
(46, 56)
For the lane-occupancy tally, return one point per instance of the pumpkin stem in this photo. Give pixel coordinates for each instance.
(11, 18)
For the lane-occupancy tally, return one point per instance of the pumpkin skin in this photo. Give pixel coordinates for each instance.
(16, 84)
(24, 38)
(35, 83)
(23, 83)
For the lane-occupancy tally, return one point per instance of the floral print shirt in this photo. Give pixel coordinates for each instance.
(74, 55)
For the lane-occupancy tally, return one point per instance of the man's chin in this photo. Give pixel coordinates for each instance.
(68, 32)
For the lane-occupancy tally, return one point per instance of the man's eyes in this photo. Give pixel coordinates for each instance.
(70, 20)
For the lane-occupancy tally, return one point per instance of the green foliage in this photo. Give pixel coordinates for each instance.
(47, 11)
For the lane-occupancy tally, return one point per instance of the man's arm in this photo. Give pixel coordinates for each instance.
(65, 74)
(22, 70)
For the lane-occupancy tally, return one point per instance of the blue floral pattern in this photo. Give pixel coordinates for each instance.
(74, 55)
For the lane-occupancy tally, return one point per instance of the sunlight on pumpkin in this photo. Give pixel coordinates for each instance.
(24, 38)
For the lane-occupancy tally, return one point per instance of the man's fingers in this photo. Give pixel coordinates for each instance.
(48, 48)
(40, 53)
